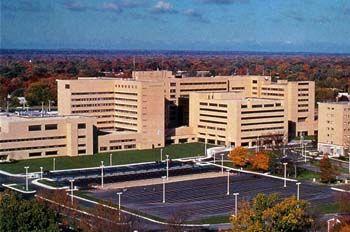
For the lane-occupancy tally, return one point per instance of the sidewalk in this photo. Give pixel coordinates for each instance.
(172, 179)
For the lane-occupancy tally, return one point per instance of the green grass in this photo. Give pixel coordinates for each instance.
(122, 157)
(327, 208)
(307, 175)
(49, 183)
(214, 220)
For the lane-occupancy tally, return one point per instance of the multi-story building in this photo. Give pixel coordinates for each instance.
(334, 128)
(130, 113)
(298, 96)
(231, 119)
(23, 137)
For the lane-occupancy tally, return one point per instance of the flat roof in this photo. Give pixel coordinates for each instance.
(11, 117)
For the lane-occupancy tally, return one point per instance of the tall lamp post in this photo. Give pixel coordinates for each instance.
(71, 190)
(298, 189)
(54, 164)
(164, 178)
(26, 168)
(228, 182)
(119, 206)
(161, 154)
(285, 175)
(111, 159)
(102, 174)
(236, 195)
(222, 163)
(167, 167)
(41, 173)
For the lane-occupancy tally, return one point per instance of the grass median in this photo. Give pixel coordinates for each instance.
(122, 157)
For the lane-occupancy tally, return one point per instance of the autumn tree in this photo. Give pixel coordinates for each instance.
(268, 213)
(260, 161)
(239, 156)
(328, 172)
(17, 214)
(39, 92)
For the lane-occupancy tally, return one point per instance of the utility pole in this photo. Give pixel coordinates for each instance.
(236, 195)
(72, 190)
(119, 206)
(41, 173)
(228, 182)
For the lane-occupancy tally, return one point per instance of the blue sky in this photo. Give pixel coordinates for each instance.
(235, 25)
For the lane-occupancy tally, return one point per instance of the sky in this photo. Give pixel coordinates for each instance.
(212, 25)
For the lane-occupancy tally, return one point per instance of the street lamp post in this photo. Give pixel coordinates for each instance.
(298, 189)
(164, 178)
(161, 154)
(167, 167)
(54, 164)
(119, 206)
(71, 190)
(236, 195)
(257, 144)
(26, 168)
(111, 159)
(285, 175)
(329, 223)
(215, 158)
(102, 174)
(222, 163)
(228, 182)
(41, 173)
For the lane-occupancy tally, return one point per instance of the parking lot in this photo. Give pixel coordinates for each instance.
(204, 198)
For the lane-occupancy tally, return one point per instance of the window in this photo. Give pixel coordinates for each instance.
(81, 126)
(103, 148)
(51, 127)
(34, 128)
(81, 136)
(82, 151)
(255, 81)
(67, 86)
(51, 153)
(34, 154)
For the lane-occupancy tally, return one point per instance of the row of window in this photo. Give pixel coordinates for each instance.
(31, 139)
(209, 89)
(204, 83)
(38, 127)
(262, 111)
(31, 148)
(48, 153)
(122, 141)
(262, 129)
(261, 123)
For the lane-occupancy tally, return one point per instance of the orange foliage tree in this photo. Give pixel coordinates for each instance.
(239, 156)
(260, 161)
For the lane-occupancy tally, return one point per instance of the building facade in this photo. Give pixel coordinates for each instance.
(123, 108)
(334, 128)
(298, 96)
(24, 137)
(231, 119)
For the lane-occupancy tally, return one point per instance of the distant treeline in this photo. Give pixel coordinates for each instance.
(32, 73)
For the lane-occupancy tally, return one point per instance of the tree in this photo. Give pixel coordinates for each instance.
(239, 156)
(328, 172)
(260, 161)
(268, 213)
(17, 214)
(39, 92)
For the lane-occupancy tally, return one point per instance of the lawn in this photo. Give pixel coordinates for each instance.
(307, 175)
(214, 220)
(122, 157)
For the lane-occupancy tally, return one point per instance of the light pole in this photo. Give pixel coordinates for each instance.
(71, 190)
(167, 167)
(205, 146)
(236, 195)
(215, 160)
(257, 144)
(329, 223)
(54, 164)
(228, 182)
(111, 159)
(164, 178)
(285, 175)
(161, 154)
(102, 174)
(119, 206)
(298, 188)
(284, 146)
(41, 172)
(26, 168)
(222, 163)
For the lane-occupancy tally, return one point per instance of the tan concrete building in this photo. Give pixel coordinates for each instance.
(231, 119)
(130, 113)
(334, 128)
(298, 96)
(23, 137)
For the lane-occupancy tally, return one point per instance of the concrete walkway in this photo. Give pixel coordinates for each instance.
(147, 182)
